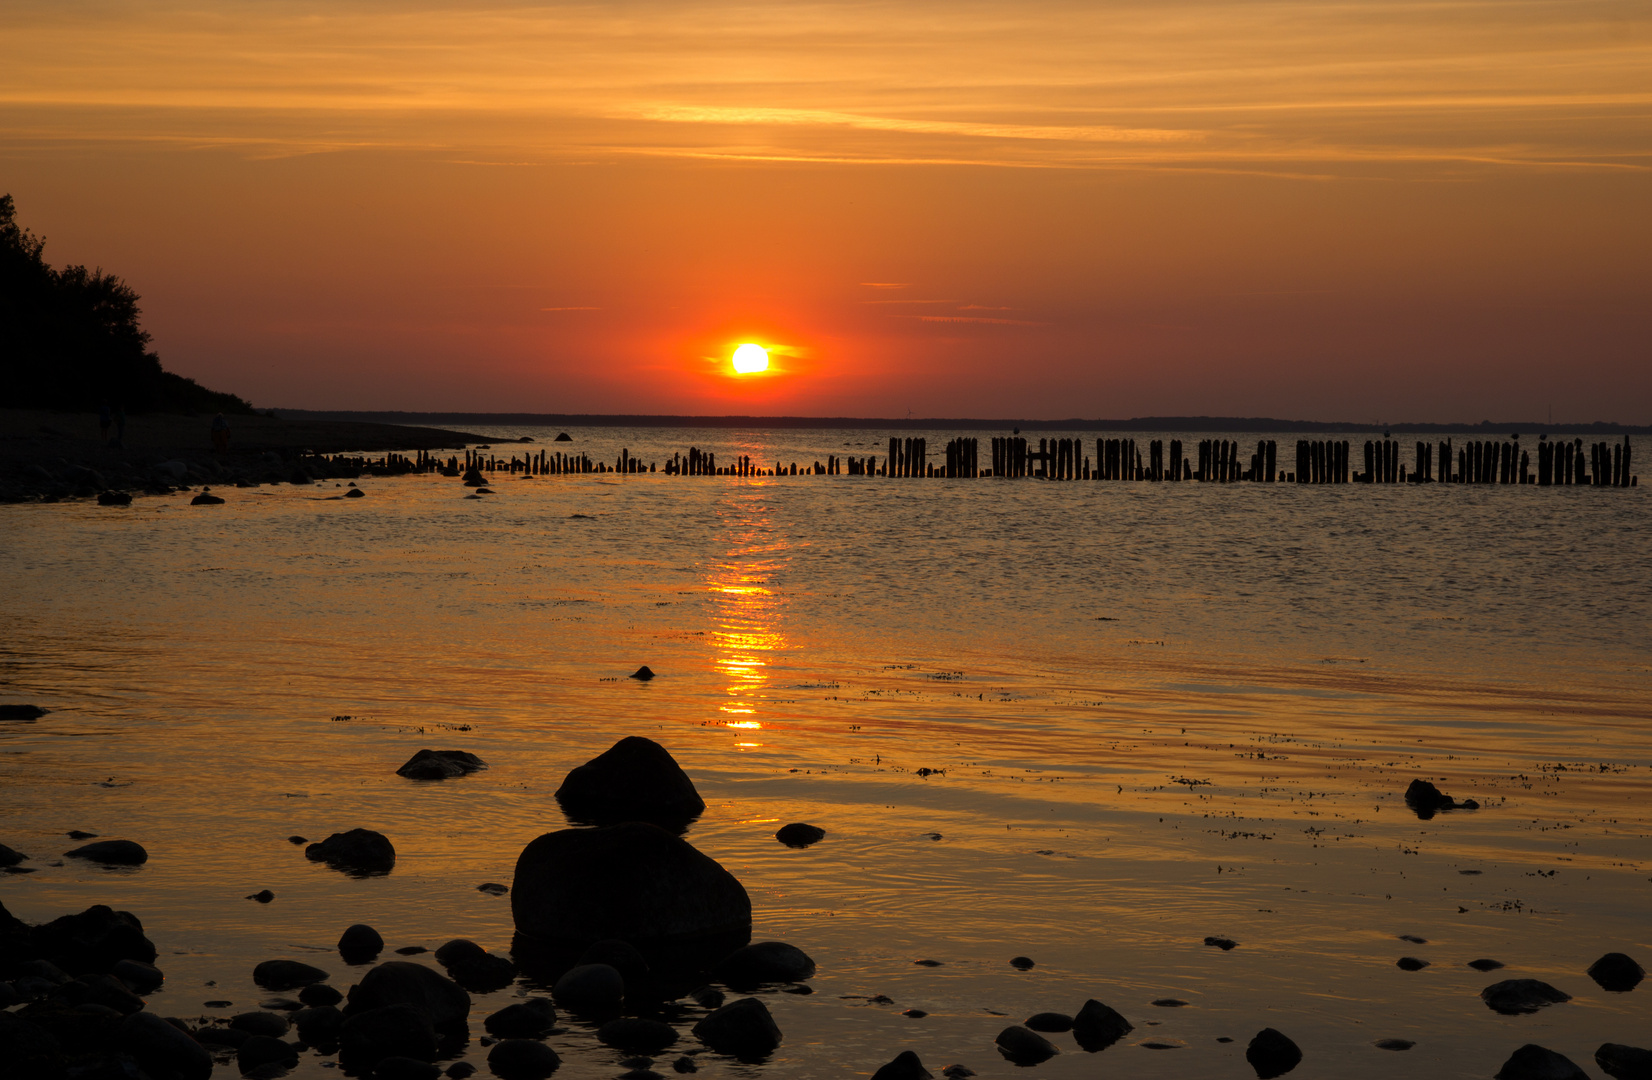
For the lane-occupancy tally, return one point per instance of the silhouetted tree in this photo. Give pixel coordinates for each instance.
(70, 339)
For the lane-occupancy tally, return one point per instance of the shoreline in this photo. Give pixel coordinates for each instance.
(47, 454)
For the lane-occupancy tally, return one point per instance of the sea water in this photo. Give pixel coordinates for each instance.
(1149, 713)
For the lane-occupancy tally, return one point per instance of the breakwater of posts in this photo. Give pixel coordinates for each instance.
(1544, 463)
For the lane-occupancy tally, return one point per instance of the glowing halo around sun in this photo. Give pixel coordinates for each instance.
(750, 359)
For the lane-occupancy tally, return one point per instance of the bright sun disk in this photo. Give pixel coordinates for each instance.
(750, 358)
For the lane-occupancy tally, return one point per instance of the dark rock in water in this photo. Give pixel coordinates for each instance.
(522, 1059)
(707, 998)
(460, 1069)
(359, 943)
(1096, 1027)
(411, 950)
(1414, 939)
(405, 1068)
(360, 850)
(1533, 1062)
(459, 951)
(162, 1049)
(633, 780)
(916, 1014)
(80, 834)
(355, 493)
(221, 1036)
(1410, 963)
(644, 673)
(684, 1064)
(440, 765)
(402, 982)
(1024, 1047)
(43, 969)
(1021, 963)
(1049, 1021)
(263, 896)
(906, 1066)
(112, 852)
(799, 835)
(204, 499)
(1426, 800)
(1485, 965)
(930, 963)
(1616, 972)
(473, 478)
(21, 712)
(1393, 1044)
(367, 1038)
(297, 840)
(104, 991)
(94, 940)
(633, 881)
(261, 1050)
(31, 1051)
(271, 1024)
(1512, 997)
(563, 436)
(636, 1035)
(319, 1026)
(114, 498)
(528, 1019)
(590, 988)
(141, 977)
(475, 968)
(318, 994)
(493, 888)
(1169, 1003)
(623, 957)
(957, 1072)
(1624, 1062)
(765, 962)
(1224, 943)
(9, 857)
(1271, 1054)
(743, 1029)
(286, 974)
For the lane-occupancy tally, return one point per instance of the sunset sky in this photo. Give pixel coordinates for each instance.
(1362, 211)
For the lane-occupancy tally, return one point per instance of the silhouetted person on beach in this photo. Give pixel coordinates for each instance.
(220, 434)
(106, 417)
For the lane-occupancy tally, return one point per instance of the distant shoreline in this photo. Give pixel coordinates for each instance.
(1140, 423)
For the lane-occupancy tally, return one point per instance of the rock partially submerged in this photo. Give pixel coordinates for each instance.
(11, 857)
(360, 944)
(1617, 973)
(1426, 800)
(1624, 1062)
(1533, 1062)
(21, 712)
(474, 968)
(522, 1059)
(906, 1066)
(743, 1029)
(799, 835)
(1024, 1047)
(529, 1019)
(1096, 1027)
(633, 780)
(1271, 1053)
(1513, 997)
(590, 988)
(440, 765)
(402, 982)
(360, 851)
(162, 1049)
(765, 962)
(286, 974)
(633, 881)
(398, 1030)
(112, 853)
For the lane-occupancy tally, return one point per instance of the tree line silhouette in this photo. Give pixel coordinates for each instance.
(70, 339)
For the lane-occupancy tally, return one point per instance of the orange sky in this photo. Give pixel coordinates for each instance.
(1366, 211)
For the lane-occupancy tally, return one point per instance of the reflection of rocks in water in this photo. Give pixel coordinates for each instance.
(636, 779)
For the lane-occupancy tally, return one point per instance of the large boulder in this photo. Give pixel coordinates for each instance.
(94, 940)
(163, 1050)
(1272, 1053)
(906, 1066)
(402, 982)
(33, 1052)
(1617, 973)
(1624, 1062)
(590, 988)
(633, 780)
(360, 851)
(286, 974)
(633, 881)
(1512, 997)
(368, 1037)
(531, 1018)
(360, 944)
(1024, 1047)
(440, 765)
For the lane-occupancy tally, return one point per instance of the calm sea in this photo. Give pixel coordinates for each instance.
(1155, 712)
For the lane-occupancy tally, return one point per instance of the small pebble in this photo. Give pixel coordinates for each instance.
(1169, 1003)
(263, 896)
(916, 1014)
(1485, 965)
(1021, 963)
(927, 963)
(1410, 963)
(1223, 943)
(1394, 1044)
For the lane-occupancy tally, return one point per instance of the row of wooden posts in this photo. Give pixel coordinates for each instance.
(1558, 463)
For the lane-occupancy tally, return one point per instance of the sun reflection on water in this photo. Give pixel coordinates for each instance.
(746, 629)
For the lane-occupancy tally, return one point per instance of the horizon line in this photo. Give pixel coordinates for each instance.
(1139, 423)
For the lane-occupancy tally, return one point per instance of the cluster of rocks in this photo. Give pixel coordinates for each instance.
(53, 480)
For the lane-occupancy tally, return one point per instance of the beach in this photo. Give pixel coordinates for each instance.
(1090, 724)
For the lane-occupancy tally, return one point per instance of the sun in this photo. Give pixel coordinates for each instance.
(750, 359)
